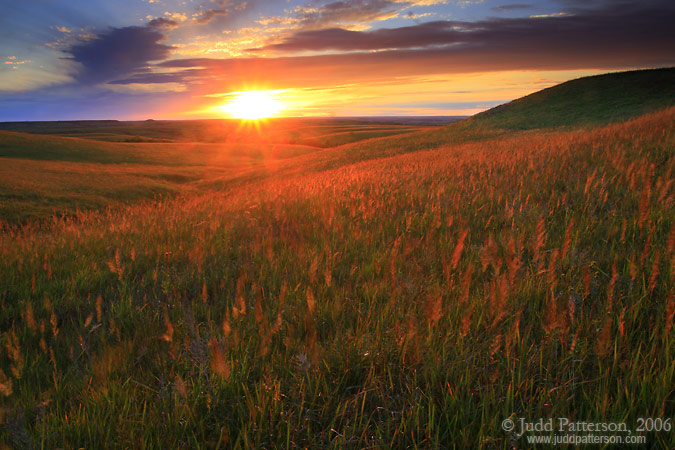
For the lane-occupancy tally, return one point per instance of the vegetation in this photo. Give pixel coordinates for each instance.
(44, 175)
(400, 292)
(587, 101)
(283, 131)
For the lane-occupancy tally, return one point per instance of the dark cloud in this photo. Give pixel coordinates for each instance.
(117, 52)
(512, 7)
(151, 78)
(217, 75)
(584, 3)
(346, 11)
(207, 15)
(627, 36)
(422, 35)
(610, 39)
(620, 27)
(161, 22)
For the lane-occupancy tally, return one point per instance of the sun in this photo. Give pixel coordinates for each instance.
(253, 105)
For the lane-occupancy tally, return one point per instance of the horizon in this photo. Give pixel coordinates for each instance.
(173, 60)
(444, 119)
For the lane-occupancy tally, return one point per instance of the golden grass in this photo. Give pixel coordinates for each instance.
(412, 300)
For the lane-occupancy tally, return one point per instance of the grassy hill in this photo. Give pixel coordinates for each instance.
(131, 161)
(43, 174)
(186, 156)
(586, 101)
(413, 301)
(305, 131)
(411, 291)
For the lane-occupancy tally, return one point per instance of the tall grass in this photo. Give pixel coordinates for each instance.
(411, 301)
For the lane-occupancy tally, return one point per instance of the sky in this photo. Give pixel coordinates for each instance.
(186, 59)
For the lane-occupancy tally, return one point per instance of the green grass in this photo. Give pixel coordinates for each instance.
(587, 101)
(305, 131)
(94, 165)
(398, 292)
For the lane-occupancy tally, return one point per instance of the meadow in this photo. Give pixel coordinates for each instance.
(407, 291)
(57, 168)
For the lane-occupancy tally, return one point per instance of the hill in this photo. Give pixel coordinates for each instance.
(87, 165)
(382, 293)
(301, 131)
(60, 167)
(412, 301)
(595, 100)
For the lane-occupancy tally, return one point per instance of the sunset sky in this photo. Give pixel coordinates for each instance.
(183, 59)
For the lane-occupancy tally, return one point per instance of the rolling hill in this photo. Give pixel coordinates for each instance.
(586, 101)
(216, 155)
(413, 291)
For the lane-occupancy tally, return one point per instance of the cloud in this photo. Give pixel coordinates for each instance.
(176, 16)
(15, 63)
(328, 70)
(225, 15)
(422, 35)
(609, 39)
(116, 53)
(346, 12)
(410, 3)
(161, 22)
(182, 76)
(414, 16)
(207, 15)
(621, 27)
(539, 16)
(137, 88)
(511, 7)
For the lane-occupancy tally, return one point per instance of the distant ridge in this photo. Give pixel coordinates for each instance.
(594, 100)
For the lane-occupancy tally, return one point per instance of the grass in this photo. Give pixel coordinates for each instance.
(280, 130)
(587, 101)
(83, 168)
(413, 296)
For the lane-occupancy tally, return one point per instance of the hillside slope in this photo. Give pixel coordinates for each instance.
(413, 301)
(135, 171)
(595, 100)
(42, 175)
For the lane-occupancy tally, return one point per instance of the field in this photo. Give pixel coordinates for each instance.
(335, 285)
(94, 165)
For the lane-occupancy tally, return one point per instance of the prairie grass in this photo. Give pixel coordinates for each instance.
(410, 297)
(587, 101)
(94, 164)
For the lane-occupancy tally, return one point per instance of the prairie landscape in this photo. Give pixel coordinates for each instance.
(342, 283)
